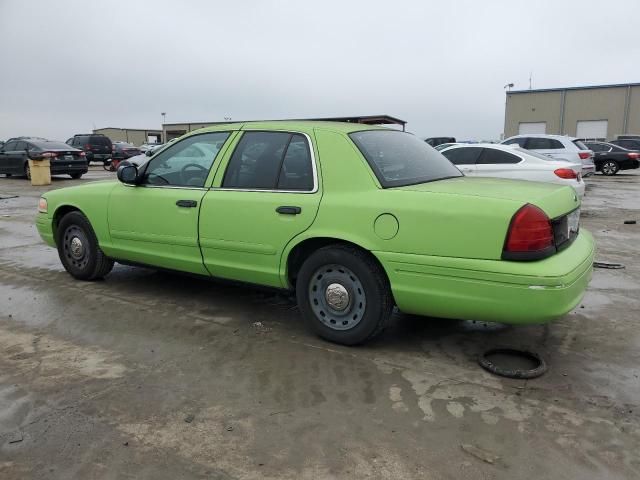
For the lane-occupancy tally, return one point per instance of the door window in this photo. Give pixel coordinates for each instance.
(522, 141)
(20, 146)
(270, 161)
(185, 163)
(9, 146)
(463, 155)
(495, 156)
(541, 143)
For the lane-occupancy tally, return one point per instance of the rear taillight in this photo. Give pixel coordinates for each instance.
(565, 173)
(87, 146)
(584, 155)
(530, 235)
(48, 155)
(82, 154)
(633, 155)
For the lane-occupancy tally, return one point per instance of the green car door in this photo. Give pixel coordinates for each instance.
(267, 194)
(156, 221)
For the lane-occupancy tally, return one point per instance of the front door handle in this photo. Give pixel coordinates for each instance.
(288, 210)
(187, 203)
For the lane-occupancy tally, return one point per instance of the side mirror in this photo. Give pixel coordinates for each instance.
(128, 173)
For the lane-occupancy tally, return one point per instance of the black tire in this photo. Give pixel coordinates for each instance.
(86, 262)
(76, 176)
(369, 297)
(610, 167)
(8, 175)
(27, 171)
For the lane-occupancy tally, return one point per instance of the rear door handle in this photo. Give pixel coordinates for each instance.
(288, 210)
(187, 203)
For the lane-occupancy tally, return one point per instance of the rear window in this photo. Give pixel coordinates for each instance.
(580, 145)
(99, 140)
(542, 143)
(399, 158)
(50, 145)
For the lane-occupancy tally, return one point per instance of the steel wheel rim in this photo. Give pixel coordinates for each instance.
(75, 246)
(337, 297)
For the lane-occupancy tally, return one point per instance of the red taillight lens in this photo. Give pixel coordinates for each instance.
(82, 154)
(48, 155)
(584, 155)
(565, 173)
(530, 231)
(87, 146)
(633, 155)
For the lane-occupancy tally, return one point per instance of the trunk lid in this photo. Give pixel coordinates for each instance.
(553, 199)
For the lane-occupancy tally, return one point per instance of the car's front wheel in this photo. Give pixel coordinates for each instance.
(78, 248)
(344, 294)
(610, 167)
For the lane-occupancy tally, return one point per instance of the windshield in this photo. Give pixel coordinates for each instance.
(400, 159)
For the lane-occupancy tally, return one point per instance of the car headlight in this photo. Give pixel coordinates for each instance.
(42, 205)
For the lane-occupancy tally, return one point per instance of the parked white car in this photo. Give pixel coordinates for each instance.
(506, 161)
(560, 147)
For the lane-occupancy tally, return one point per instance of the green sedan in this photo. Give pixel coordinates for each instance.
(355, 219)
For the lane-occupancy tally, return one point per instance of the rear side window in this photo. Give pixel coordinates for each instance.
(538, 143)
(597, 147)
(81, 140)
(21, 146)
(270, 161)
(520, 141)
(494, 156)
(463, 155)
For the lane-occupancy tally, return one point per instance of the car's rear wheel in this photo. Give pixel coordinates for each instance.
(75, 176)
(344, 294)
(610, 167)
(78, 248)
(27, 171)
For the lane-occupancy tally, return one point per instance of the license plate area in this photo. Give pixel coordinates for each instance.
(566, 228)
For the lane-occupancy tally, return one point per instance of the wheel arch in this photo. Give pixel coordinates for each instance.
(296, 253)
(60, 212)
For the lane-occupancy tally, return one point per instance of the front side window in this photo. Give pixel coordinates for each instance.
(463, 155)
(270, 161)
(399, 158)
(541, 143)
(185, 163)
(521, 141)
(9, 146)
(494, 156)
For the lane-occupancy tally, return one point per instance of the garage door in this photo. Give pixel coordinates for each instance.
(592, 129)
(526, 128)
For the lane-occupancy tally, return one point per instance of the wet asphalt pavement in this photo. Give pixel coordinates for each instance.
(158, 376)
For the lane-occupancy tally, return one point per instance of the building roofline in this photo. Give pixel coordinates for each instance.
(129, 129)
(587, 87)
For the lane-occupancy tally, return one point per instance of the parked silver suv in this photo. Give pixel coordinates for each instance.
(559, 147)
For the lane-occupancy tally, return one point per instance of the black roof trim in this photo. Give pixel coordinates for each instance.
(364, 119)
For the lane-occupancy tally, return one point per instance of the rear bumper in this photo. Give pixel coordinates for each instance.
(491, 290)
(588, 169)
(64, 168)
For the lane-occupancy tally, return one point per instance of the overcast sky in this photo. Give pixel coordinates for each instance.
(71, 66)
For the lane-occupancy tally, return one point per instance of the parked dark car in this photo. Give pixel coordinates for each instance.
(15, 156)
(97, 147)
(628, 143)
(435, 141)
(124, 150)
(611, 158)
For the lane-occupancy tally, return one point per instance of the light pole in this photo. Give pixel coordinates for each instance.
(508, 87)
(164, 117)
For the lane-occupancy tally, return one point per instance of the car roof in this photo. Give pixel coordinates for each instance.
(543, 135)
(299, 125)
